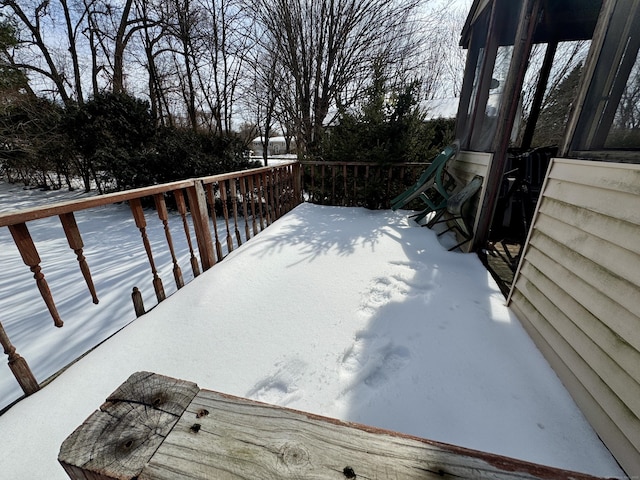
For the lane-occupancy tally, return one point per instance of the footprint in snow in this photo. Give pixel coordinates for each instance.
(372, 361)
(400, 283)
(281, 387)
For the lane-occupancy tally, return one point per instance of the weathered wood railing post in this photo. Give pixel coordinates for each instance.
(27, 249)
(163, 215)
(18, 365)
(141, 223)
(74, 239)
(198, 206)
(159, 428)
(182, 210)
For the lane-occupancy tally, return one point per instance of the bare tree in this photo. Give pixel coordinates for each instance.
(227, 43)
(261, 97)
(327, 45)
(39, 55)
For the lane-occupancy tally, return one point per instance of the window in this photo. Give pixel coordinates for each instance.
(488, 63)
(610, 116)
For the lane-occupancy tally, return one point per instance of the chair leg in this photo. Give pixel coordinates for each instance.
(459, 244)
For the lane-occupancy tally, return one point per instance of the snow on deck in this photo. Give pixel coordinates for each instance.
(344, 312)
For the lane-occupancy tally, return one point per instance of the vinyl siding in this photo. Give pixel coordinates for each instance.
(577, 292)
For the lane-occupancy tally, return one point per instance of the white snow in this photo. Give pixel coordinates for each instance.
(344, 312)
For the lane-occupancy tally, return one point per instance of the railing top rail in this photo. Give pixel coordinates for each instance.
(244, 173)
(364, 164)
(35, 213)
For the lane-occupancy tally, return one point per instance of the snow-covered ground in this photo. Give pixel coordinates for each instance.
(344, 312)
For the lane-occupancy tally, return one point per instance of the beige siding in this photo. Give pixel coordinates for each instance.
(577, 292)
(468, 164)
(464, 168)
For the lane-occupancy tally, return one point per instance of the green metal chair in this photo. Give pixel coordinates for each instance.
(437, 193)
(454, 206)
(427, 178)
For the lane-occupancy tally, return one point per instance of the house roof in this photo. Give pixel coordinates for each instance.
(562, 20)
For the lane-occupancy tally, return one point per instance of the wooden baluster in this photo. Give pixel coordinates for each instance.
(290, 188)
(252, 199)
(276, 193)
(260, 200)
(234, 196)
(322, 195)
(267, 197)
(182, 210)
(212, 208)
(18, 365)
(74, 239)
(225, 212)
(30, 256)
(366, 182)
(296, 185)
(333, 184)
(163, 215)
(275, 197)
(284, 190)
(312, 194)
(141, 223)
(355, 184)
(281, 191)
(344, 181)
(138, 304)
(388, 195)
(245, 207)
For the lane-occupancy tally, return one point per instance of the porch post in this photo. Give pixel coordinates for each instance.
(529, 16)
(200, 217)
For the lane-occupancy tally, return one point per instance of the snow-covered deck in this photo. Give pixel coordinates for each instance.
(343, 312)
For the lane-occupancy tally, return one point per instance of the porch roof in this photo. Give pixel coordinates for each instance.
(344, 312)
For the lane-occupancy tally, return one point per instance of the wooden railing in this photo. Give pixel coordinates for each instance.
(237, 205)
(247, 201)
(357, 184)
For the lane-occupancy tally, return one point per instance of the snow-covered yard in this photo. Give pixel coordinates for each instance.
(344, 312)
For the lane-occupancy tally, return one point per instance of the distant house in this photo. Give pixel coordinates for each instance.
(277, 146)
